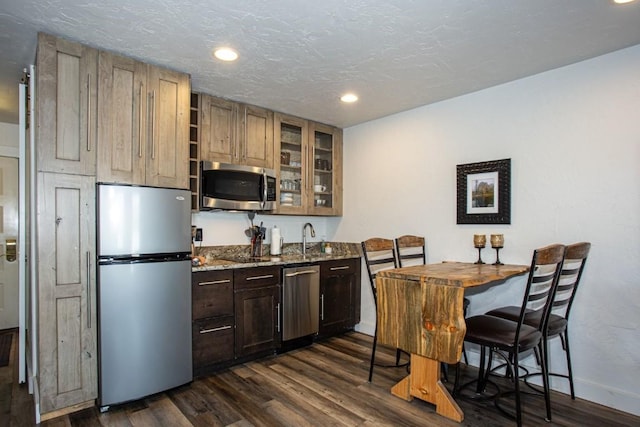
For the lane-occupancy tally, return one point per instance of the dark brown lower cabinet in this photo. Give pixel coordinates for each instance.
(213, 341)
(213, 324)
(236, 312)
(339, 296)
(257, 310)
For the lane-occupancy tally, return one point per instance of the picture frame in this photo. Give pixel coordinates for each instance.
(484, 192)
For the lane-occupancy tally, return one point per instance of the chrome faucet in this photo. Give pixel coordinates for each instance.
(304, 236)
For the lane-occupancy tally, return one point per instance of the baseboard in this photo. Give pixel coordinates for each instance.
(68, 410)
(600, 394)
(367, 328)
(611, 397)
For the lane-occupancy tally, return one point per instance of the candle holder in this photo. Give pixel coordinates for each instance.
(479, 241)
(497, 243)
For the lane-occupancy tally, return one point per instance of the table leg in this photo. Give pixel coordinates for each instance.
(424, 383)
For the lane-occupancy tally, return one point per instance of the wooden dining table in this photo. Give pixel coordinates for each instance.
(420, 310)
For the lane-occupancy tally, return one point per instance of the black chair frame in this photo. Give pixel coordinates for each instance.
(388, 245)
(509, 338)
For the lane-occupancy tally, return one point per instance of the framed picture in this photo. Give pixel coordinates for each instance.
(484, 192)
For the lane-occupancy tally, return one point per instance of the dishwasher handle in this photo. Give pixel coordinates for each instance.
(300, 273)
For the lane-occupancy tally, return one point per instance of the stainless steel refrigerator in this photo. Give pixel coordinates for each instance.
(144, 291)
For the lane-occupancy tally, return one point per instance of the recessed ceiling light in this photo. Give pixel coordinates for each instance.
(622, 1)
(349, 97)
(226, 54)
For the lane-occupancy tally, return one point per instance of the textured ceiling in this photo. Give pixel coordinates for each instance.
(299, 56)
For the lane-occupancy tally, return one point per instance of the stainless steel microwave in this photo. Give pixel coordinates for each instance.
(234, 187)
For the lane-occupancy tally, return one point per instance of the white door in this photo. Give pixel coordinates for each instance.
(8, 243)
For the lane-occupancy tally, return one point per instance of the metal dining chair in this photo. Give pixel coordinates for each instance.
(558, 325)
(508, 338)
(379, 254)
(411, 250)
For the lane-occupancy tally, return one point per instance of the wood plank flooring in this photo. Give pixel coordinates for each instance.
(321, 385)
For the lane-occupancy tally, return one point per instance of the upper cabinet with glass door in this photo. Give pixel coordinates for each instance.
(325, 169)
(291, 136)
(310, 167)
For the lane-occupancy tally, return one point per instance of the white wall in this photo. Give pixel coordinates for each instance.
(9, 134)
(573, 136)
(227, 228)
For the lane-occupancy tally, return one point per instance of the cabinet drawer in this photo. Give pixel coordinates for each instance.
(212, 293)
(213, 341)
(256, 277)
(339, 267)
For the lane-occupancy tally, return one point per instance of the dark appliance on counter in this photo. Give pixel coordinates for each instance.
(235, 187)
(300, 305)
(144, 291)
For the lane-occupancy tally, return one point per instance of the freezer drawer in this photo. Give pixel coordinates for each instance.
(145, 329)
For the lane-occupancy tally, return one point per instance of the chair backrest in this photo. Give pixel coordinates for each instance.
(379, 254)
(410, 250)
(542, 281)
(574, 260)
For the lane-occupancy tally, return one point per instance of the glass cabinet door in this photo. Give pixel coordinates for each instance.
(310, 167)
(326, 170)
(292, 164)
(322, 169)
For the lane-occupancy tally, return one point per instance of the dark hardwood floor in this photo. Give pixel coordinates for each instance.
(321, 385)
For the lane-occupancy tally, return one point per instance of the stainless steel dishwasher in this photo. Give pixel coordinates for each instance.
(300, 301)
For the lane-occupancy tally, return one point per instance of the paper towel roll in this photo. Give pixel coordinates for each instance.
(276, 241)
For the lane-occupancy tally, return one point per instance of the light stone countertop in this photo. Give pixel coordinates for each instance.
(229, 257)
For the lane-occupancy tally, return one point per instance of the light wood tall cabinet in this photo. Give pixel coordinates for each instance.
(143, 122)
(67, 329)
(309, 167)
(235, 133)
(66, 101)
(65, 189)
(97, 115)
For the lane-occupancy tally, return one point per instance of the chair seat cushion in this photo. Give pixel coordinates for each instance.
(557, 324)
(510, 312)
(498, 332)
